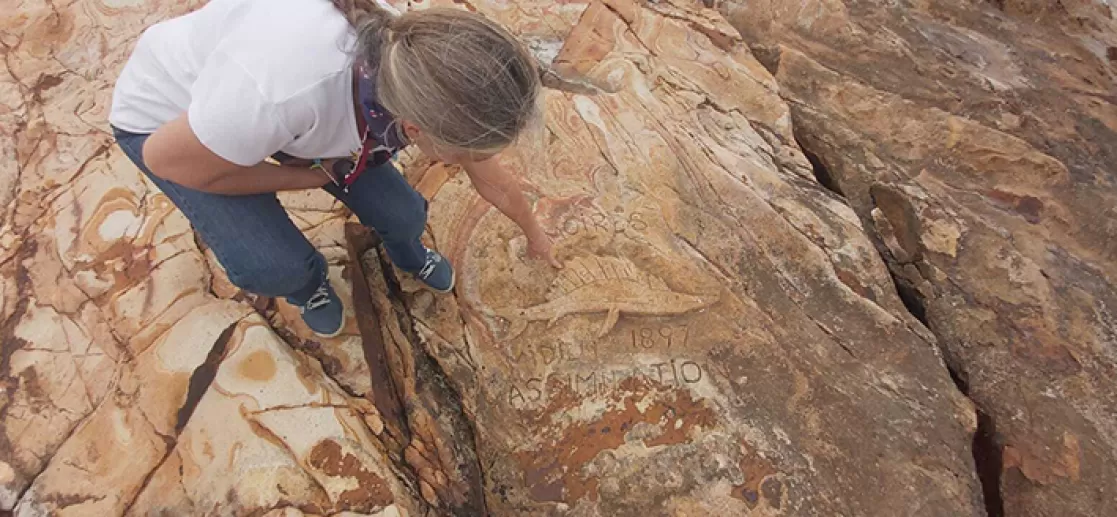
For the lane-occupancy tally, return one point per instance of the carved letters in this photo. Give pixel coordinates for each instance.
(555, 365)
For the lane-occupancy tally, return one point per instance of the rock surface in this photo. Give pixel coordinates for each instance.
(724, 338)
(978, 148)
(136, 379)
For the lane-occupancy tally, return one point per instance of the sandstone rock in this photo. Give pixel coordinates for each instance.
(723, 340)
(978, 148)
(104, 463)
(272, 429)
(114, 338)
(1092, 22)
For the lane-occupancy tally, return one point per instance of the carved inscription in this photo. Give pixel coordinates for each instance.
(575, 366)
(590, 383)
(599, 222)
(554, 352)
(663, 338)
(551, 353)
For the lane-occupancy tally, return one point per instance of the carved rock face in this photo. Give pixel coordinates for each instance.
(979, 150)
(724, 338)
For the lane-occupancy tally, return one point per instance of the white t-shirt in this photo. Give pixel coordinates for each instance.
(254, 76)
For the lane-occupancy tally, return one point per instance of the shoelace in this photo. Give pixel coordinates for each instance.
(320, 298)
(428, 267)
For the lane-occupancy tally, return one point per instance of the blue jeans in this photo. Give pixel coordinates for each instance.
(263, 252)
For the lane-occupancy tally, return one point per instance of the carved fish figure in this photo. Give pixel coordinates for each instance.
(611, 285)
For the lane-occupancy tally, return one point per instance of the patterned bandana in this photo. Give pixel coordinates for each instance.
(382, 138)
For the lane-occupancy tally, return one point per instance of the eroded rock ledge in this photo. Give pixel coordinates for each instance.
(976, 143)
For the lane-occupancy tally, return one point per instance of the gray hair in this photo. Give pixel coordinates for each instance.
(458, 76)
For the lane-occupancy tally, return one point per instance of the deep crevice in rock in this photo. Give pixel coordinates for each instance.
(466, 427)
(988, 460)
(987, 453)
(819, 169)
(203, 377)
(425, 405)
(913, 302)
(985, 449)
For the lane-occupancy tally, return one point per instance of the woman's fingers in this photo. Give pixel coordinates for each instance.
(544, 249)
(552, 259)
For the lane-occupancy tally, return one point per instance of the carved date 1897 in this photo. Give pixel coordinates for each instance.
(663, 338)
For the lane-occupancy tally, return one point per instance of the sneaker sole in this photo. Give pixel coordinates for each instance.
(337, 332)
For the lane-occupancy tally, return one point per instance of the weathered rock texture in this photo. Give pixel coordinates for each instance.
(724, 339)
(136, 380)
(1092, 22)
(979, 149)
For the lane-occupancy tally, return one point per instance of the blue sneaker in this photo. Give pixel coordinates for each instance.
(437, 273)
(323, 312)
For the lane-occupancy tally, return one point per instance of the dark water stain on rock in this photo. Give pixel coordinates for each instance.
(756, 472)
(553, 472)
(372, 492)
(772, 488)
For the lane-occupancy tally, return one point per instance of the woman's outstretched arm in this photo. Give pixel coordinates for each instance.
(175, 153)
(502, 189)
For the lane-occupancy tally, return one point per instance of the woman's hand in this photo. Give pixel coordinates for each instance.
(502, 189)
(540, 246)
